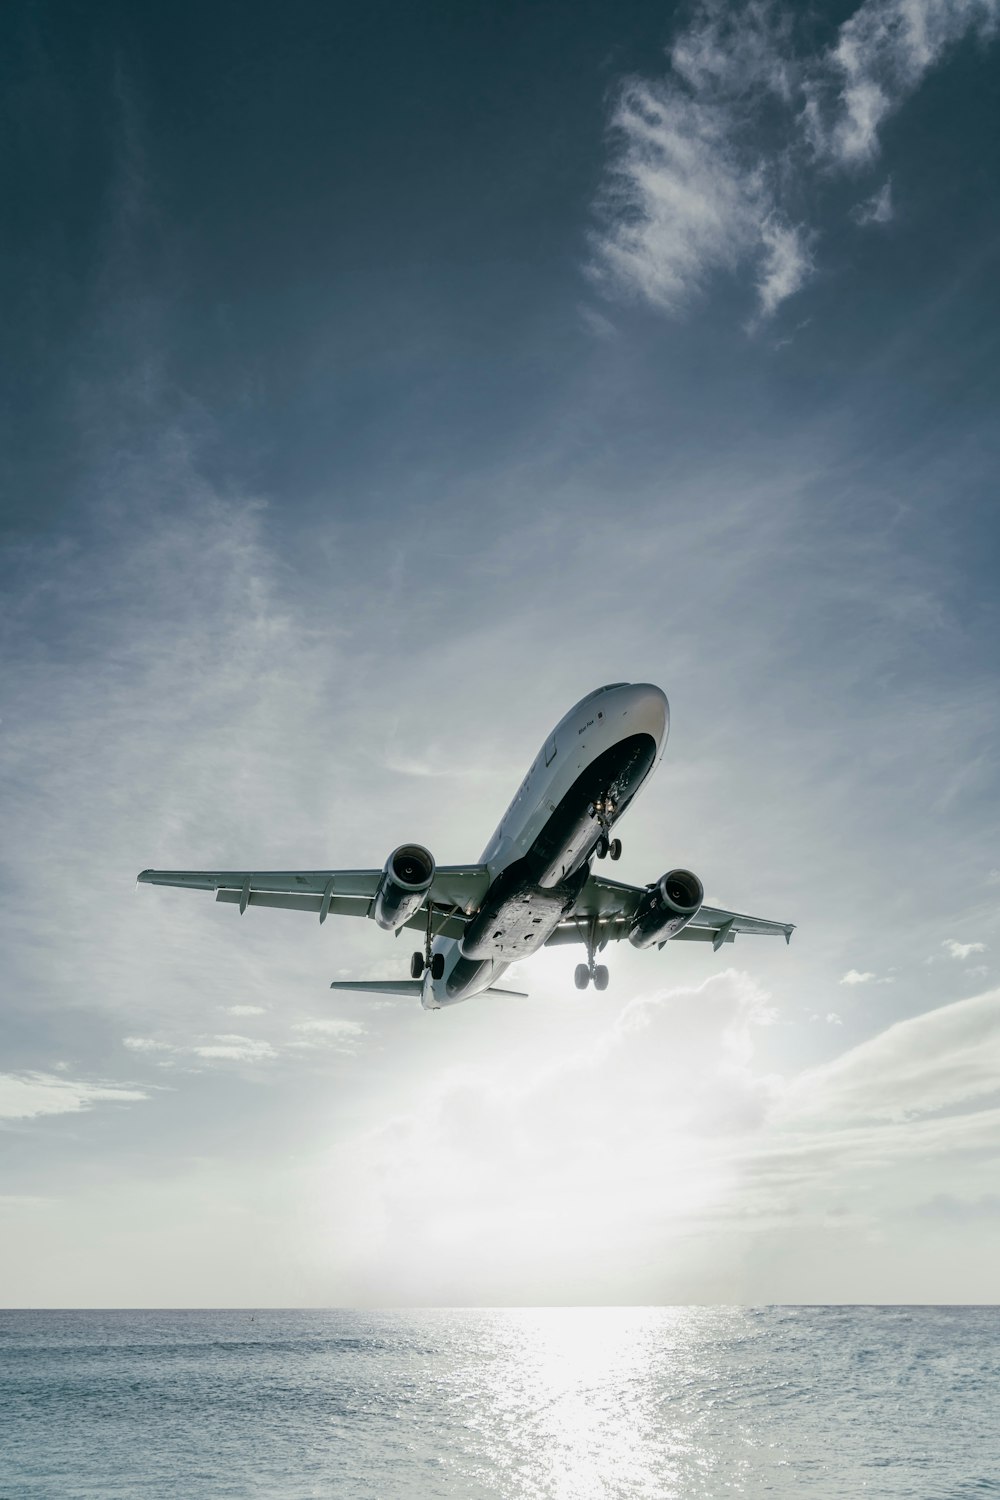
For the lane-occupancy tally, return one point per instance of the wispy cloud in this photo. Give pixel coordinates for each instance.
(334, 1032)
(26, 1096)
(881, 55)
(943, 1059)
(709, 161)
(235, 1049)
(874, 210)
(866, 976)
(962, 951)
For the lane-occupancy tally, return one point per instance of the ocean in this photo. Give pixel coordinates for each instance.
(530, 1404)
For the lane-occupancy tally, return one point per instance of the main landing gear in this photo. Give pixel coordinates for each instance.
(604, 811)
(418, 963)
(584, 973)
(427, 960)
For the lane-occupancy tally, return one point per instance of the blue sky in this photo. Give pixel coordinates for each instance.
(374, 386)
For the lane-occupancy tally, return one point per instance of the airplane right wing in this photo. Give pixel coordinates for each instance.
(606, 908)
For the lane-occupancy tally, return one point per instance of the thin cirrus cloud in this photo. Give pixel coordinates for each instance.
(709, 160)
(875, 210)
(229, 1047)
(26, 1096)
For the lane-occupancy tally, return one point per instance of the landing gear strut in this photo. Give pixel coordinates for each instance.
(584, 973)
(604, 810)
(427, 960)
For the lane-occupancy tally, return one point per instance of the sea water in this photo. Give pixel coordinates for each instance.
(572, 1404)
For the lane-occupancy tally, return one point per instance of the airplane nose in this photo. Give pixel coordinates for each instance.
(648, 707)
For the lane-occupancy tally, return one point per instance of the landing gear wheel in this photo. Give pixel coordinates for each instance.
(437, 966)
(601, 848)
(615, 848)
(581, 977)
(601, 977)
(416, 965)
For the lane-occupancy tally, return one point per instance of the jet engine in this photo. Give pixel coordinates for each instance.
(666, 907)
(405, 880)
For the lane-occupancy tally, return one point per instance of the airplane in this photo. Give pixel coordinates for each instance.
(534, 885)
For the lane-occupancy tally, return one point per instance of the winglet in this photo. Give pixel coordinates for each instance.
(788, 933)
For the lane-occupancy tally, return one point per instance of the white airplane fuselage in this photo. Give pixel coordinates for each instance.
(584, 777)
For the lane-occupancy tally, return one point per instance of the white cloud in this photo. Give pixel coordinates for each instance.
(678, 205)
(942, 1059)
(25, 1096)
(235, 1048)
(962, 950)
(245, 1010)
(880, 57)
(145, 1044)
(333, 1032)
(833, 1019)
(854, 976)
(701, 177)
(875, 210)
(785, 263)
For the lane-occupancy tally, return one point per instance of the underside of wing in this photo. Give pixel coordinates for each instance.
(455, 891)
(715, 920)
(606, 910)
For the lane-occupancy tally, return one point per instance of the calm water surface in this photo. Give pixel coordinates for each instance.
(563, 1403)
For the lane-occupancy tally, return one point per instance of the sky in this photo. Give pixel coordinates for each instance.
(377, 381)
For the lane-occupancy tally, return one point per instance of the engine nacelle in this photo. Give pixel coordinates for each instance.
(666, 907)
(406, 878)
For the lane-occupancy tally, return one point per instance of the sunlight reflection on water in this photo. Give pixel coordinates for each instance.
(551, 1404)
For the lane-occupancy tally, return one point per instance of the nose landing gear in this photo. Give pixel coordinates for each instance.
(604, 810)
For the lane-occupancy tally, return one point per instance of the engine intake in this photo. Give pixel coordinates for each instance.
(406, 878)
(666, 907)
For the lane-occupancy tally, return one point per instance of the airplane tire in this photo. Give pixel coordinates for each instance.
(615, 848)
(437, 966)
(601, 848)
(581, 977)
(416, 965)
(601, 977)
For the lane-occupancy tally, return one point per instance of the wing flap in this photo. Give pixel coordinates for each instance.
(716, 920)
(305, 882)
(712, 924)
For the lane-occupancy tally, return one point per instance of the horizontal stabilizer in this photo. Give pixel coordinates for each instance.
(381, 986)
(406, 987)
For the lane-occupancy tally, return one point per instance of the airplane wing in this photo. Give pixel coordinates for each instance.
(604, 912)
(455, 891)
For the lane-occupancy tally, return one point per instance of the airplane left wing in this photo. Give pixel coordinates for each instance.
(606, 908)
(455, 890)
